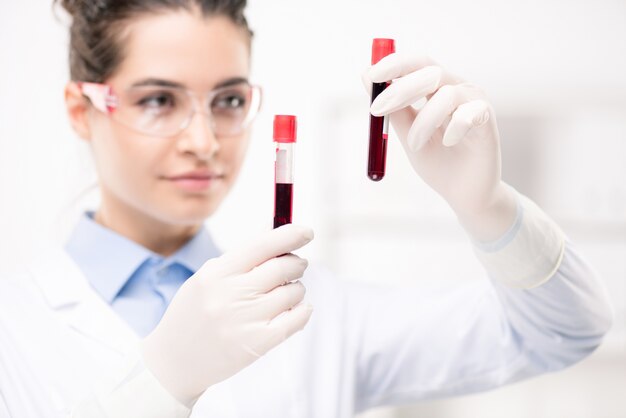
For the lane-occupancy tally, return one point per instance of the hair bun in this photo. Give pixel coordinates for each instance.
(85, 9)
(71, 6)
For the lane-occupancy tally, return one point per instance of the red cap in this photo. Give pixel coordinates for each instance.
(382, 47)
(285, 127)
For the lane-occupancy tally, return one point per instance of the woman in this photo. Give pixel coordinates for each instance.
(129, 320)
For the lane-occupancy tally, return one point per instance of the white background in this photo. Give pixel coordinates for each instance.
(555, 72)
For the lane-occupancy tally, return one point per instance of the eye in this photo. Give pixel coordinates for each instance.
(158, 101)
(229, 101)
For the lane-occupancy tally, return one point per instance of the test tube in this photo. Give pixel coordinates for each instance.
(285, 127)
(379, 125)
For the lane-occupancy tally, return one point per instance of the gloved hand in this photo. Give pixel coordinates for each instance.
(231, 312)
(452, 142)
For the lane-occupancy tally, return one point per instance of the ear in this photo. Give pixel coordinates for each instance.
(78, 108)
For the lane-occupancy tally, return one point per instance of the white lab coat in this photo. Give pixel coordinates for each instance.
(364, 346)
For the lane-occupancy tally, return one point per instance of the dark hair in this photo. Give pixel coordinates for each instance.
(97, 28)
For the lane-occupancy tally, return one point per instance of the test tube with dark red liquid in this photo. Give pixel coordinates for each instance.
(285, 127)
(379, 125)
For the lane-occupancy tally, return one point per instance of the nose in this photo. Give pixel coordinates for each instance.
(198, 138)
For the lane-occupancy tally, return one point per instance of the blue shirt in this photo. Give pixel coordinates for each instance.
(137, 283)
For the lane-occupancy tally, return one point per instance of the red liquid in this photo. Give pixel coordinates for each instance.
(283, 200)
(378, 140)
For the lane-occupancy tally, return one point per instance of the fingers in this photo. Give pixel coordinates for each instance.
(452, 109)
(469, 115)
(438, 110)
(398, 65)
(413, 79)
(277, 242)
(290, 322)
(281, 299)
(276, 272)
(407, 90)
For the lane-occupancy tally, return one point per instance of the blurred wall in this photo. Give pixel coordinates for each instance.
(553, 70)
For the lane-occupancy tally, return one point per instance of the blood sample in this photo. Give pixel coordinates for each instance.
(285, 127)
(379, 125)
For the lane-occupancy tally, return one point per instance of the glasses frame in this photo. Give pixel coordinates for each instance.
(104, 99)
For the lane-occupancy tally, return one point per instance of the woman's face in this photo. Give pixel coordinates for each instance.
(182, 179)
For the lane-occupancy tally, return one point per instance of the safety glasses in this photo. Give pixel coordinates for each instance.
(165, 111)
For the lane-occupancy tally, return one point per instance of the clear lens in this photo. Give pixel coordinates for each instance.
(230, 108)
(166, 111)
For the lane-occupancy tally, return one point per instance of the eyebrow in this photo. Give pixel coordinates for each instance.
(158, 82)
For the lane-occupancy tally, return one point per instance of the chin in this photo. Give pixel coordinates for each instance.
(185, 209)
(189, 215)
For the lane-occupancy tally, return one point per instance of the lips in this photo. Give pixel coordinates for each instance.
(196, 181)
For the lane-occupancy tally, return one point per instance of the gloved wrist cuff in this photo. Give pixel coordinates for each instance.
(529, 253)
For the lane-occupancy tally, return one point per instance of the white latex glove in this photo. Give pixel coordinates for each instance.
(231, 312)
(452, 142)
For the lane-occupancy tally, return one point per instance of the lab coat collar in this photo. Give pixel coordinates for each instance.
(67, 291)
(59, 279)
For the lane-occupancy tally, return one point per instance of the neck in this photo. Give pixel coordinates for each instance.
(151, 233)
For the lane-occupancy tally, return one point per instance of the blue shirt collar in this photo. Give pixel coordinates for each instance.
(108, 259)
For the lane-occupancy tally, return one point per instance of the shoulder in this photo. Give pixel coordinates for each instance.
(21, 305)
(30, 302)
(30, 288)
(17, 293)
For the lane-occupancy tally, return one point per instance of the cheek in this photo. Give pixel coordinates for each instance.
(234, 153)
(125, 160)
